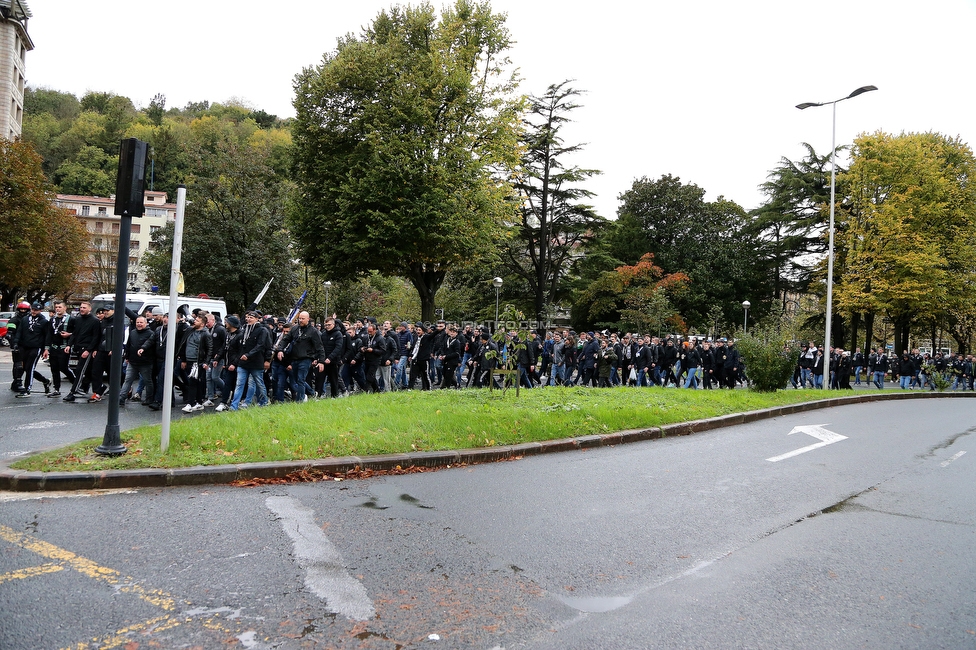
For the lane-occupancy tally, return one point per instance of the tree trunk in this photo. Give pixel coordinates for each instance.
(868, 332)
(855, 325)
(902, 327)
(427, 282)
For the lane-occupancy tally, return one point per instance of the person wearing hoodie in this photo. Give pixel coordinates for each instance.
(255, 353)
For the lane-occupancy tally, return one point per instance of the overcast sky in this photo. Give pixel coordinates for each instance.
(704, 90)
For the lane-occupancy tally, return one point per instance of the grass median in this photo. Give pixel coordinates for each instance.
(407, 421)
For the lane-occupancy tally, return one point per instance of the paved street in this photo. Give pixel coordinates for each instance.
(720, 539)
(39, 422)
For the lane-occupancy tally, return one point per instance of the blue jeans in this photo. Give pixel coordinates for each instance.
(299, 387)
(879, 379)
(460, 369)
(401, 372)
(857, 376)
(279, 379)
(805, 377)
(692, 378)
(244, 378)
(817, 381)
(558, 374)
(904, 381)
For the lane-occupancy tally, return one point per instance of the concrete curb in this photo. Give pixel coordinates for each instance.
(21, 481)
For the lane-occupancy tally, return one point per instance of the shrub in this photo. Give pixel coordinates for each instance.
(769, 358)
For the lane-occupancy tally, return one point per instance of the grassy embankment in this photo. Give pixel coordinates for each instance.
(407, 421)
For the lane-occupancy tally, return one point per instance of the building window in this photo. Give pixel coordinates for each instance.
(99, 226)
(133, 245)
(116, 228)
(136, 228)
(133, 277)
(85, 210)
(102, 212)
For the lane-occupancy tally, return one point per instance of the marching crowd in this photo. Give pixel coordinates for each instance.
(911, 369)
(263, 359)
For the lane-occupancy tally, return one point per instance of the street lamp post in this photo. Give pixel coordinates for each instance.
(830, 236)
(497, 283)
(327, 285)
(745, 321)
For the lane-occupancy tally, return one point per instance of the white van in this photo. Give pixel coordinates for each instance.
(140, 302)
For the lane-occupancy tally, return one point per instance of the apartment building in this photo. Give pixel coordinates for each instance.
(15, 43)
(98, 214)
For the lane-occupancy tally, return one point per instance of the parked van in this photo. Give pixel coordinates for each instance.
(140, 302)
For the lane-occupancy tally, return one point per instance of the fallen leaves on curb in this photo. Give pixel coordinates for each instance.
(315, 475)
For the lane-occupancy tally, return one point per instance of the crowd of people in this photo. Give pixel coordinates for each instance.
(260, 359)
(910, 370)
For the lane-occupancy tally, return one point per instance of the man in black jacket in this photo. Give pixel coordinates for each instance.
(138, 365)
(31, 339)
(451, 359)
(422, 352)
(59, 358)
(85, 332)
(333, 344)
(306, 348)
(374, 353)
(215, 369)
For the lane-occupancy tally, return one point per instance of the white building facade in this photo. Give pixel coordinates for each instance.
(98, 215)
(15, 43)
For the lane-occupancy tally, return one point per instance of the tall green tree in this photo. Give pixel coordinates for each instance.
(706, 240)
(793, 219)
(92, 172)
(405, 140)
(555, 222)
(35, 232)
(234, 236)
(910, 238)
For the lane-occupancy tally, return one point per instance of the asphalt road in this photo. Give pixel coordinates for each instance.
(39, 422)
(698, 542)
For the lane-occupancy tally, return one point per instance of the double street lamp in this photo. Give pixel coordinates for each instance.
(830, 244)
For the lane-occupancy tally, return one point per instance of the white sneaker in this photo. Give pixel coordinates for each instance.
(198, 407)
(221, 407)
(208, 403)
(136, 397)
(188, 408)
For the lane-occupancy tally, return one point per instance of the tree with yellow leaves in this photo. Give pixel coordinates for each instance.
(909, 242)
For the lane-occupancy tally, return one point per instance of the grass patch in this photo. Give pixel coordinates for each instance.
(407, 421)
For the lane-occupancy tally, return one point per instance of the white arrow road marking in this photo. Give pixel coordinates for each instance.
(325, 573)
(817, 431)
(945, 463)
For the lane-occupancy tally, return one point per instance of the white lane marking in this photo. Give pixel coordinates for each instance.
(817, 431)
(44, 424)
(61, 494)
(13, 454)
(325, 573)
(945, 463)
(19, 406)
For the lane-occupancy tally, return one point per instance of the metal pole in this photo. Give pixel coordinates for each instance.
(112, 439)
(174, 280)
(830, 248)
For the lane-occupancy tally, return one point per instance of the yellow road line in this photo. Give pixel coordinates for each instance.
(30, 572)
(88, 568)
(66, 559)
